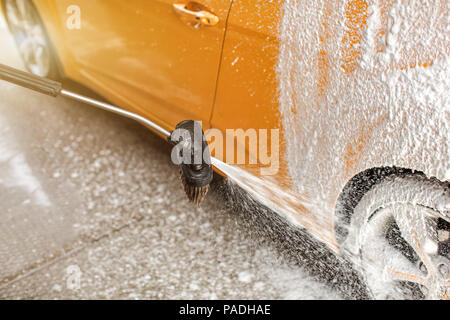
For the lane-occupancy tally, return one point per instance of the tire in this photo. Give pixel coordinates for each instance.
(398, 238)
(31, 38)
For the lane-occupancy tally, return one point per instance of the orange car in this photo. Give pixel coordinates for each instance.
(331, 113)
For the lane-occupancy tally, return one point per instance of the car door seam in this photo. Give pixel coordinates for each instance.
(220, 63)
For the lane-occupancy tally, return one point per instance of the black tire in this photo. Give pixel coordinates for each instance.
(399, 223)
(31, 38)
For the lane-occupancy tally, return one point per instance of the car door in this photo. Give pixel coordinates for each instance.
(248, 98)
(159, 58)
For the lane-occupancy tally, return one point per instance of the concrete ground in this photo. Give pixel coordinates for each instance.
(92, 208)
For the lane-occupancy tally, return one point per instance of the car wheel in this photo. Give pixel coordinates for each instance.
(398, 238)
(31, 39)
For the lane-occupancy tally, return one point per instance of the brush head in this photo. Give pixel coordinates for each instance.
(196, 171)
(195, 194)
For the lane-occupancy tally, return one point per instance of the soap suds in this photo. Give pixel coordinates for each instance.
(385, 97)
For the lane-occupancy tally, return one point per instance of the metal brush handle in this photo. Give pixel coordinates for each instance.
(53, 88)
(30, 81)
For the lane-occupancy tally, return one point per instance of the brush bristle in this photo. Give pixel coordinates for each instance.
(194, 194)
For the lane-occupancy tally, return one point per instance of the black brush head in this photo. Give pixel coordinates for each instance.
(195, 194)
(195, 168)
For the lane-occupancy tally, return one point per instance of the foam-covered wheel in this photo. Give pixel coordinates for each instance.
(31, 39)
(398, 238)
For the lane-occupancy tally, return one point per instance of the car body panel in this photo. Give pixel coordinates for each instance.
(167, 68)
(249, 72)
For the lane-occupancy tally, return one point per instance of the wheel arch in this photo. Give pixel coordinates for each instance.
(355, 189)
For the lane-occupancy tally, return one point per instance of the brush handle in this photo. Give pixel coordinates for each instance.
(30, 81)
